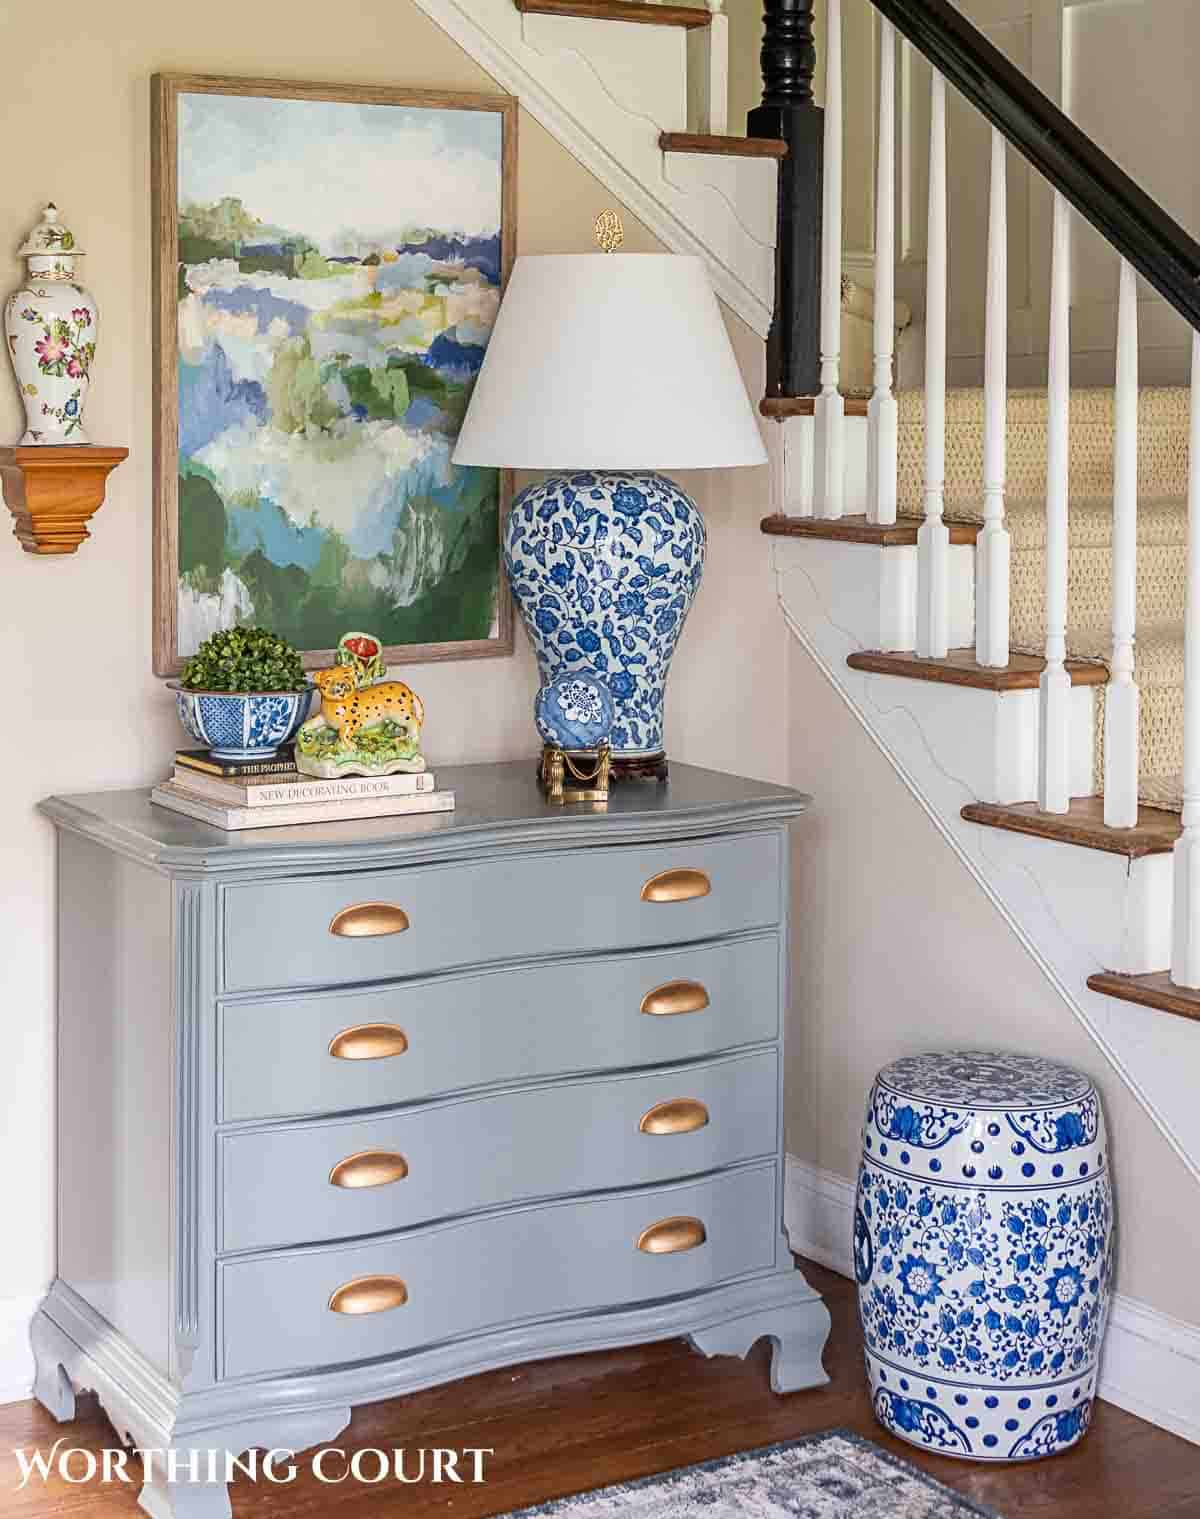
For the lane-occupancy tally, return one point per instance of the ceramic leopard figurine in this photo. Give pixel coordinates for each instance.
(367, 725)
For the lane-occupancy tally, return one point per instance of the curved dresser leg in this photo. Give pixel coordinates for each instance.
(51, 1384)
(797, 1333)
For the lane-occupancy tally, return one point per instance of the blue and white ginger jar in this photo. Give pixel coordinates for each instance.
(983, 1238)
(604, 568)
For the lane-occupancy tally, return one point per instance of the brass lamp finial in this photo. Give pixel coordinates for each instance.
(610, 233)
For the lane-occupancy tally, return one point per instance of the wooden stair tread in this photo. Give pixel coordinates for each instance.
(960, 668)
(736, 147)
(1155, 990)
(1155, 832)
(805, 406)
(856, 529)
(620, 10)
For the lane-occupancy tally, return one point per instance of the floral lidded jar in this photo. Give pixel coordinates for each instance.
(50, 325)
(983, 1240)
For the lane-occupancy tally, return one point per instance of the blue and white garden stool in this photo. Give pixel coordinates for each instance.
(983, 1238)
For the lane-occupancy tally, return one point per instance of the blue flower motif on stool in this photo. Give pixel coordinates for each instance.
(1064, 1289)
(920, 1280)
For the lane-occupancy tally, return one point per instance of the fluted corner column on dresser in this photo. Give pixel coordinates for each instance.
(304, 1046)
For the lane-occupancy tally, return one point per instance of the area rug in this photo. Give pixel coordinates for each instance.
(836, 1475)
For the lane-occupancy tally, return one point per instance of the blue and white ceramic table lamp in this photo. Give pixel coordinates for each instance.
(607, 369)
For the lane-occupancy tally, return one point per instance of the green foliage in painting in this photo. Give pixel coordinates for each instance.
(295, 391)
(201, 531)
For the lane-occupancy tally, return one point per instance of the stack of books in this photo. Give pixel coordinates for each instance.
(273, 794)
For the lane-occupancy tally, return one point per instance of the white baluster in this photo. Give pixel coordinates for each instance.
(1121, 695)
(882, 421)
(1054, 754)
(1185, 950)
(830, 410)
(933, 540)
(713, 40)
(992, 546)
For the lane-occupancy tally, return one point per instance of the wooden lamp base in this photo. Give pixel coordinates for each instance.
(645, 767)
(53, 490)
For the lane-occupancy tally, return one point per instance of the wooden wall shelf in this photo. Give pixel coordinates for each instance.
(52, 492)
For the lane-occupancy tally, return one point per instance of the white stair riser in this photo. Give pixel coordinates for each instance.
(874, 590)
(991, 736)
(1119, 909)
(644, 68)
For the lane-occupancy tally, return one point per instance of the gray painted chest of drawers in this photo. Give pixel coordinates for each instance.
(350, 1110)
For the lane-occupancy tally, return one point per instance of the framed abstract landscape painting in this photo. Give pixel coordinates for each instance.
(330, 262)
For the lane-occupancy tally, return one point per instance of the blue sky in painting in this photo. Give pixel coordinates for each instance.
(341, 172)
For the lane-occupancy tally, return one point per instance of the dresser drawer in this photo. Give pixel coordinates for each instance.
(333, 1180)
(335, 1304)
(453, 1033)
(374, 926)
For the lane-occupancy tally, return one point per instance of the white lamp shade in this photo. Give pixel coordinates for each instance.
(609, 361)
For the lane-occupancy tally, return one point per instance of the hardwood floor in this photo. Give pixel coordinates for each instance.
(582, 1421)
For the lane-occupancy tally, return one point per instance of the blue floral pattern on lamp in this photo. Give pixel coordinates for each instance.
(983, 1239)
(604, 568)
(238, 726)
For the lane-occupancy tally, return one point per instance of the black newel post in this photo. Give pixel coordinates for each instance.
(789, 59)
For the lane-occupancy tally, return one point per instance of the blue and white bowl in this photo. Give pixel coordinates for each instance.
(239, 726)
(983, 1239)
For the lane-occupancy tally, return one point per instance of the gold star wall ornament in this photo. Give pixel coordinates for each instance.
(610, 233)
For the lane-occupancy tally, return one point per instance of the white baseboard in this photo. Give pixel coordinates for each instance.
(16, 1356)
(1151, 1361)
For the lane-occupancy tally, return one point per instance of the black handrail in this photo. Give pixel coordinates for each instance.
(1120, 210)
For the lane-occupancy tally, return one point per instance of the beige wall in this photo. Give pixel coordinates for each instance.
(896, 949)
(86, 712)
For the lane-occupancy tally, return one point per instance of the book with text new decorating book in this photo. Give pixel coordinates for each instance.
(282, 763)
(176, 797)
(282, 790)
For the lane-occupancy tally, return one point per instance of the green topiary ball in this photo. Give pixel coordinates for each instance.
(244, 660)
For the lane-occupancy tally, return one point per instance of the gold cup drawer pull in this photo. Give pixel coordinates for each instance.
(678, 1115)
(675, 997)
(369, 920)
(670, 1235)
(369, 1294)
(676, 886)
(369, 1168)
(368, 1041)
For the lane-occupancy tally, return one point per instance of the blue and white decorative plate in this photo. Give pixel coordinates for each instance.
(983, 1240)
(574, 712)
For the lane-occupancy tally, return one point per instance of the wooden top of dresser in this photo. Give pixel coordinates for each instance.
(498, 804)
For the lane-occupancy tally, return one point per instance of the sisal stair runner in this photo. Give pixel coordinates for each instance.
(1163, 416)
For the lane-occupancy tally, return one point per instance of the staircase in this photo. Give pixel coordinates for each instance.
(1002, 584)
(1005, 585)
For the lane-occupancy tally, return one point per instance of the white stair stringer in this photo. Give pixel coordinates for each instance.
(605, 90)
(1076, 910)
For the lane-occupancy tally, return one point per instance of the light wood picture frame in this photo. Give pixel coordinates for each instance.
(313, 356)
